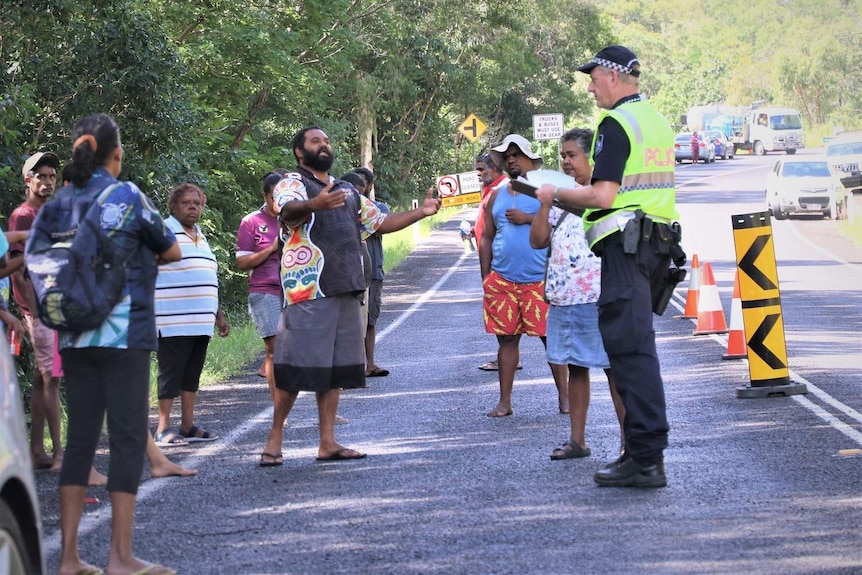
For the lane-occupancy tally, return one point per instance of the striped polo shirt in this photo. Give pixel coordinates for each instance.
(187, 290)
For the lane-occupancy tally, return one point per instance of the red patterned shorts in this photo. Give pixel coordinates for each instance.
(511, 308)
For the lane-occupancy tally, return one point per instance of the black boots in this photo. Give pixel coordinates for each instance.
(626, 472)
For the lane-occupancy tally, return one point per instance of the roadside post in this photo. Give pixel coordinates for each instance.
(761, 309)
(471, 128)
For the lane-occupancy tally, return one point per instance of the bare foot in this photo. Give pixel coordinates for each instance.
(96, 479)
(170, 469)
(500, 411)
(42, 461)
(57, 463)
(564, 407)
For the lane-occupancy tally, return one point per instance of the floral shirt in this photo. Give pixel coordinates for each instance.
(574, 271)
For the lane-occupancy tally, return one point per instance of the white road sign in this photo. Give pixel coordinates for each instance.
(547, 126)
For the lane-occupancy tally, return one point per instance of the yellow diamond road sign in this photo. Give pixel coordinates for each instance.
(472, 127)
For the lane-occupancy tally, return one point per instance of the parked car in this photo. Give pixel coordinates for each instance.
(20, 521)
(723, 145)
(682, 148)
(803, 185)
(844, 152)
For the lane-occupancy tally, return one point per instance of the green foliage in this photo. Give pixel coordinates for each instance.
(211, 91)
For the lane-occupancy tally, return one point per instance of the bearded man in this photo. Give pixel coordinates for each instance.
(319, 346)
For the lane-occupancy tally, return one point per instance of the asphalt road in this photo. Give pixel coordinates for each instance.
(755, 485)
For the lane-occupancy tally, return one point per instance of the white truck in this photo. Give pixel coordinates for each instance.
(721, 117)
(754, 128)
(771, 130)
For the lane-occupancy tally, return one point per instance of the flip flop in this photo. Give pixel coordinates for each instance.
(89, 570)
(377, 372)
(492, 366)
(153, 569)
(343, 455)
(276, 460)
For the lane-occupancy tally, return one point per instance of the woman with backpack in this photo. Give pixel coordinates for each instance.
(107, 367)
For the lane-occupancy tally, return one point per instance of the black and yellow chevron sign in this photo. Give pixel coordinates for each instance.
(761, 301)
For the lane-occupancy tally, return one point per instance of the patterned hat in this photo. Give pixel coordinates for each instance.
(617, 58)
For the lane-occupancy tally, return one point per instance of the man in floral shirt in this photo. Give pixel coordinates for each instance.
(319, 346)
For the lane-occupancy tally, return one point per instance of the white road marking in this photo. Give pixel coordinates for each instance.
(89, 522)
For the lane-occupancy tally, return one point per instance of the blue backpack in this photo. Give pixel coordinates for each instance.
(75, 268)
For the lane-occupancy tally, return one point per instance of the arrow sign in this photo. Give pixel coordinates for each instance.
(757, 342)
(761, 303)
(747, 263)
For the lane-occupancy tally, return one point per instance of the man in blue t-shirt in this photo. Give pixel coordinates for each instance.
(513, 272)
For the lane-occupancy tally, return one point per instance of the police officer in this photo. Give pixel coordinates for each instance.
(630, 210)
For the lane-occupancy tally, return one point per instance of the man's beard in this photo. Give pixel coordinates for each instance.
(317, 162)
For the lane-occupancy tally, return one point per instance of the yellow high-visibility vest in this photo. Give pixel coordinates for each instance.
(648, 177)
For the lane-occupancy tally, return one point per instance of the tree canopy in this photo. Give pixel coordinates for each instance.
(211, 91)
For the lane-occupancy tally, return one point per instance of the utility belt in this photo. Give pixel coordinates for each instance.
(617, 221)
(659, 235)
(636, 227)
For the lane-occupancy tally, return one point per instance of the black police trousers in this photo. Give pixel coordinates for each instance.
(626, 325)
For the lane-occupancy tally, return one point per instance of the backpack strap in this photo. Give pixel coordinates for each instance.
(93, 217)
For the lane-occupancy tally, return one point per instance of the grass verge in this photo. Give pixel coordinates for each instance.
(853, 230)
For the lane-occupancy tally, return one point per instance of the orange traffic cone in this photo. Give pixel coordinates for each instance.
(693, 291)
(736, 345)
(710, 317)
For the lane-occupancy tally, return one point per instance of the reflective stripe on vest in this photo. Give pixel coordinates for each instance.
(648, 176)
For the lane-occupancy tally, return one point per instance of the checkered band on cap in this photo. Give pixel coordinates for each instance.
(618, 67)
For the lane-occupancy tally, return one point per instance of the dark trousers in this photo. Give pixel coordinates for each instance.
(181, 362)
(113, 381)
(626, 324)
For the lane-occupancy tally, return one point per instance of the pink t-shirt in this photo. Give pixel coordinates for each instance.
(257, 231)
(22, 219)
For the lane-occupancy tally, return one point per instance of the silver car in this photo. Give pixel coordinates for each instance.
(20, 521)
(682, 148)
